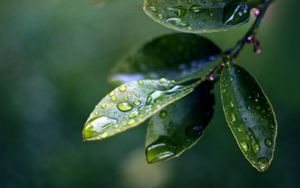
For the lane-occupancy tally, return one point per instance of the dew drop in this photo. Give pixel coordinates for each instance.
(263, 164)
(122, 88)
(97, 127)
(196, 8)
(255, 147)
(153, 8)
(130, 122)
(268, 142)
(180, 22)
(133, 114)
(124, 107)
(137, 102)
(244, 146)
(233, 117)
(111, 93)
(113, 98)
(161, 149)
(103, 106)
(163, 114)
(180, 11)
(140, 82)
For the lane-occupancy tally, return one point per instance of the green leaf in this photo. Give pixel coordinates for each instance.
(179, 126)
(131, 104)
(177, 56)
(189, 16)
(249, 115)
(236, 12)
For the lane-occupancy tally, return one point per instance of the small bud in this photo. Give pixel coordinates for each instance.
(256, 11)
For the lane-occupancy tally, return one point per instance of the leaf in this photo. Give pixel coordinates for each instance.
(236, 12)
(189, 16)
(131, 104)
(249, 115)
(179, 126)
(176, 56)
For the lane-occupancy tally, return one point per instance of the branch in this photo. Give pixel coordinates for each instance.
(250, 36)
(234, 52)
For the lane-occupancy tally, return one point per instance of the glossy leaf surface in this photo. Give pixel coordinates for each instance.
(177, 56)
(131, 104)
(179, 126)
(196, 16)
(236, 12)
(249, 115)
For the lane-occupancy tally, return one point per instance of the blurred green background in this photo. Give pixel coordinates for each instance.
(55, 56)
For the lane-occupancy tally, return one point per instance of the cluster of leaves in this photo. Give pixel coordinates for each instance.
(169, 83)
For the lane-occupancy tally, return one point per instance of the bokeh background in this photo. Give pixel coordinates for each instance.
(55, 57)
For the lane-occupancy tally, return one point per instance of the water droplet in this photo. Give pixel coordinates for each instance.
(160, 94)
(180, 22)
(140, 82)
(103, 106)
(160, 16)
(138, 95)
(233, 117)
(133, 114)
(255, 147)
(137, 102)
(231, 104)
(163, 114)
(263, 164)
(124, 107)
(195, 130)
(196, 8)
(153, 8)
(130, 122)
(179, 10)
(244, 146)
(122, 88)
(111, 93)
(163, 80)
(113, 98)
(268, 142)
(97, 127)
(160, 150)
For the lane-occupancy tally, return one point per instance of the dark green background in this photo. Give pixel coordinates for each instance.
(55, 56)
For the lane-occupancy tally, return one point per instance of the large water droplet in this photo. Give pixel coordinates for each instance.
(160, 94)
(160, 150)
(97, 127)
(124, 106)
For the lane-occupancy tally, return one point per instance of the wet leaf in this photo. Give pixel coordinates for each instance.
(236, 12)
(131, 104)
(249, 115)
(190, 15)
(179, 126)
(176, 56)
